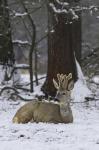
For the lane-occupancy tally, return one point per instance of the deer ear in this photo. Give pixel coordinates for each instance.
(55, 84)
(70, 85)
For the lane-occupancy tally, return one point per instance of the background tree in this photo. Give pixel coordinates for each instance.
(6, 46)
(64, 38)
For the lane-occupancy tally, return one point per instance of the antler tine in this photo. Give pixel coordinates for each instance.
(69, 76)
(66, 78)
(65, 82)
(58, 76)
(60, 79)
(71, 83)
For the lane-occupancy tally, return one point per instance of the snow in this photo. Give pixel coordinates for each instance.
(18, 14)
(80, 90)
(82, 134)
(62, 3)
(73, 14)
(21, 42)
(95, 79)
(79, 72)
(58, 11)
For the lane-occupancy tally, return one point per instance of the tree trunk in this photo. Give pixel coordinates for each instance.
(62, 44)
(6, 47)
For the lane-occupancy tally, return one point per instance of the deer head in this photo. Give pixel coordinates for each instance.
(64, 87)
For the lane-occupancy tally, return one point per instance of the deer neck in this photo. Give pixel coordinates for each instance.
(65, 111)
(64, 106)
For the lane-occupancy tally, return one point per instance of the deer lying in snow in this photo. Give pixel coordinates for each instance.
(42, 111)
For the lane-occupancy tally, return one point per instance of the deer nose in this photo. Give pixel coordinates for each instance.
(56, 99)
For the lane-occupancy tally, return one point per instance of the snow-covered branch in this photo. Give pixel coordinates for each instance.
(62, 3)
(68, 11)
(74, 15)
(17, 14)
(85, 8)
(72, 11)
(57, 11)
(21, 42)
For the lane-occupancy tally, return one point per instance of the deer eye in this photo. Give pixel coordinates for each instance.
(64, 93)
(68, 89)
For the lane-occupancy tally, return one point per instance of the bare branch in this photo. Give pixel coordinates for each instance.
(32, 46)
(8, 88)
(20, 97)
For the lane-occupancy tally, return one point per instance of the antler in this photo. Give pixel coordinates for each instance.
(62, 81)
(65, 82)
(69, 76)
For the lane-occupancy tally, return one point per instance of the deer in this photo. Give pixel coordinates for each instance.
(49, 112)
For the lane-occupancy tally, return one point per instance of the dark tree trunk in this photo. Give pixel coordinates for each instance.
(61, 46)
(6, 47)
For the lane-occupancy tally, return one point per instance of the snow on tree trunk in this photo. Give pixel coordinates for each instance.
(81, 89)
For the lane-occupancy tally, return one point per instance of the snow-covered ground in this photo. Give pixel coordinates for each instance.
(82, 134)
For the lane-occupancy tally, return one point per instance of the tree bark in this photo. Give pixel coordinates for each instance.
(62, 44)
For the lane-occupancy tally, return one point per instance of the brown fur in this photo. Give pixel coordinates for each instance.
(40, 112)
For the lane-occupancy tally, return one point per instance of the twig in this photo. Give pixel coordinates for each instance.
(22, 88)
(91, 99)
(35, 80)
(19, 96)
(8, 88)
(90, 54)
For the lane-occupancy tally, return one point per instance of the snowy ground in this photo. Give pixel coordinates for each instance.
(82, 134)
